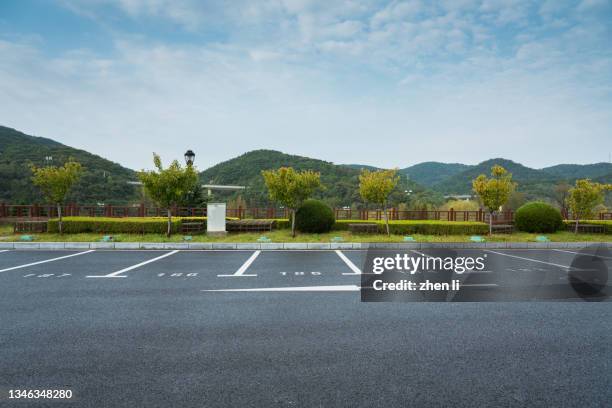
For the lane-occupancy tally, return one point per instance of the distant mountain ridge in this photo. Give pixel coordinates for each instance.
(574, 171)
(432, 173)
(102, 181)
(106, 181)
(341, 181)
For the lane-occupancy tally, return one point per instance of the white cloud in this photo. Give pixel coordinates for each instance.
(427, 80)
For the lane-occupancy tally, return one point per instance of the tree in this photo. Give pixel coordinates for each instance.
(494, 192)
(56, 182)
(195, 198)
(584, 196)
(168, 187)
(376, 186)
(561, 195)
(291, 188)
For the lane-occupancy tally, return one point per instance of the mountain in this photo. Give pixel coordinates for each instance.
(102, 180)
(106, 181)
(341, 181)
(534, 183)
(431, 173)
(570, 172)
(361, 166)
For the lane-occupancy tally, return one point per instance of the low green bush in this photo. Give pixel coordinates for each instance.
(538, 216)
(107, 225)
(425, 227)
(314, 216)
(125, 225)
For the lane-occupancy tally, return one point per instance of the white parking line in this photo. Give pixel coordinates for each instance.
(580, 253)
(129, 268)
(529, 259)
(46, 260)
(356, 270)
(334, 288)
(241, 272)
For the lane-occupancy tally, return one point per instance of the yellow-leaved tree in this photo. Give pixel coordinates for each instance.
(495, 191)
(376, 186)
(55, 183)
(583, 197)
(291, 188)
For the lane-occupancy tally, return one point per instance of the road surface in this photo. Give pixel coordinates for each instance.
(284, 329)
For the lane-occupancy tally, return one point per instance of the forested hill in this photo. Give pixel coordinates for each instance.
(341, 182)
(106, 182)
(574, 171)
(102, 181)
(534, 183)
(432, 173)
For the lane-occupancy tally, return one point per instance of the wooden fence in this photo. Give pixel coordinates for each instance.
(10, 211)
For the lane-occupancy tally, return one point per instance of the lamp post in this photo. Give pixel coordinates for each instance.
(189, 157)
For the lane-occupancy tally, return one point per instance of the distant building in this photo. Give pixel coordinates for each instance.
(459, 196)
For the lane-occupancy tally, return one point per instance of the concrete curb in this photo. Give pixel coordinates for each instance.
(294, 245)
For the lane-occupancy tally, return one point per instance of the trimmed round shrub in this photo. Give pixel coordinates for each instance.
(314, 216)
(537, 216)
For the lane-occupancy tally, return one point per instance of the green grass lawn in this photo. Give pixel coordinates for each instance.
(6, 234)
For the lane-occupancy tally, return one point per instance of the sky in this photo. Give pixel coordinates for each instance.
(383, 83)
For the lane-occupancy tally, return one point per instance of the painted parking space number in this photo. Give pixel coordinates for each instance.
(177, 275)
(300, 273)
(46, 275)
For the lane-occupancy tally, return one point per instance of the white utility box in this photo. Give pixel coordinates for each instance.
(215, 222)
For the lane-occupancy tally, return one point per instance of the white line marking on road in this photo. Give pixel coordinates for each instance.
(3, 250)
(46, 260)
(241, 272)
(129, 268)
(580, 253)
(356, 270)
(336, 288)
(529, 259)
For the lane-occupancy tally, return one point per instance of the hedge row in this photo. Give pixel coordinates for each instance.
(158, 225)
(405, 227)
(126, 225)
(606, 223)
(424, 227)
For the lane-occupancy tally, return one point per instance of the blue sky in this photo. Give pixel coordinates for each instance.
(386, 83)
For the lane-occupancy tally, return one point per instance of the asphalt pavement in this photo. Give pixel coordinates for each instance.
(286, 328)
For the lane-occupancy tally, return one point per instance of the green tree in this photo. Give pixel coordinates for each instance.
(168, 187)
(583, 197)
(376, 186)
(55, 183)
(291, 188)
(494, 192)
(561, 195)
(195, 198)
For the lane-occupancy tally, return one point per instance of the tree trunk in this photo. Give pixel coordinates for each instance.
(169, 223)
(293, 223)
(576, 228)
(491, 223)
(59, 213)
(386, 218)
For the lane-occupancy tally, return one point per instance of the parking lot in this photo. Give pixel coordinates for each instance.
(286, 328)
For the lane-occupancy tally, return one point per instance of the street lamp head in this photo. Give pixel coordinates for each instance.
(189, 157)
